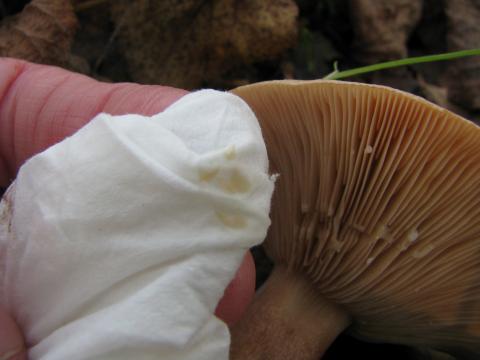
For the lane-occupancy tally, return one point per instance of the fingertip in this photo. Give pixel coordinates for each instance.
(41, 105)
(239, 293)
(9, 71)
(11, 340)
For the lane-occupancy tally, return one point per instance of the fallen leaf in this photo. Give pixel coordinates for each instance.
(429, 354)
(95, 42)
(439, 96)
(43, 32)
(463, 32)
(382, 27)
(186, 43)
(433, 93)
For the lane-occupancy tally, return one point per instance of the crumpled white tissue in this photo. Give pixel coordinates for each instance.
(118, 242)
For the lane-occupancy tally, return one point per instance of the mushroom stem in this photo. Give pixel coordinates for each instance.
(287, 320)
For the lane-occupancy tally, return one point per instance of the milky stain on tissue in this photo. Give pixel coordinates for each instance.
(236, 183)
(234, 221)
(231, 153)
(207, 175)
(231, 181)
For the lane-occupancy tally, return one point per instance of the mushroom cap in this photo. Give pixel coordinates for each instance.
(378, 204)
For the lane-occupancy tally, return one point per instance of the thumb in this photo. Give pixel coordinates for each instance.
(239, 293)
(41, 105)
(11, 341)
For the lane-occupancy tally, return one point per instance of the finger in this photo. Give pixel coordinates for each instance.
(11, 340)
(239, 293)
(41, 105)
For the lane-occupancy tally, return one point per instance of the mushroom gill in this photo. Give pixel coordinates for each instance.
(375, 222)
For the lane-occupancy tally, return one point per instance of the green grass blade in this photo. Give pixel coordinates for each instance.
(336, 75)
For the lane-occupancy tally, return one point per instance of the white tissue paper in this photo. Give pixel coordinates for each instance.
(118, 242)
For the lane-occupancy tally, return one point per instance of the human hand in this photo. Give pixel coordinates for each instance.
(41, 105)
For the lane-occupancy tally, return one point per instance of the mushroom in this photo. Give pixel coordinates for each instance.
(375, 222)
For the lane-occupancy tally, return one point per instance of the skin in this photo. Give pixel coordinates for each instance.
(41, 105)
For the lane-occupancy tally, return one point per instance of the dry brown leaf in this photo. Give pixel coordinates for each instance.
(433, 93)
(43, 32)
(429, 354)
(382, 28)
(464, 33)
(438, 95)
(186, 43)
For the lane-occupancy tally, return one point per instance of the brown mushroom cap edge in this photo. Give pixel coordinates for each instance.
(375, 221)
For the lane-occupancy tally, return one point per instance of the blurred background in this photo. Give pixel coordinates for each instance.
(226, 43)
(223, 44)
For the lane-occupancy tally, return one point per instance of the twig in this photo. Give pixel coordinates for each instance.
(88, 5)
(108, 46)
